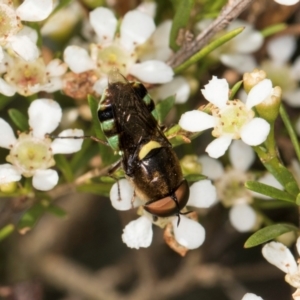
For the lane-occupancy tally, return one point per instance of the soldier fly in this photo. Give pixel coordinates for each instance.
(128, 119)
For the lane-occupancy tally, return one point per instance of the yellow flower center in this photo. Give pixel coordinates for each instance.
(112, 57)
(10, 24)
(29, 154)
(231, 118)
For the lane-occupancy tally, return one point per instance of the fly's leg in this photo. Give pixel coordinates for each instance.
(133, 198)
(110, 172)
(78, 137)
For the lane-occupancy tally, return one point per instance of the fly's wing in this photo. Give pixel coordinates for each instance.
(136, 125)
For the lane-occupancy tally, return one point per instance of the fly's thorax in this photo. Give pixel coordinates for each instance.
(143, 93)
(114, 102)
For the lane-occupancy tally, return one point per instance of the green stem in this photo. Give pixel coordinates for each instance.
(270, 141)
(279, 171)
(209, 48)
(290, 129)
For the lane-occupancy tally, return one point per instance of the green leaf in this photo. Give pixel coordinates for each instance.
(93, 103)
(4, 100)
(268, 233)
(271, 30)
(20, 120)
(298, 199)
(6, 231)
(164, 107)
(273, 204)
(290, 129)
(80, 159)
(56, 211)
(31, 216)
(268, 190)
(194, 177)
(235, 89)
(180, 20)
(100, 188)
(62, 3)
(209, 48)
(64, 166)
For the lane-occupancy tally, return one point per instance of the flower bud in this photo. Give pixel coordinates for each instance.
(269, 108)
(8, 187)
(253, 78)
(190, 165)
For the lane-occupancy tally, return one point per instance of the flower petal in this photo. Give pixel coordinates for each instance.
(6, 89)
(44, 116)
(7, 135)
(178, 87)
(216, 91)
(135, 29)
(35, 10)
(152, 71)
(280, 256)
(298, 245)
(287, 2)
(100, 85)
(67, 146)
(292, 98)
(121, 195)
(212, 168)
(56, 67)
(78, 59)
(242, 217)
(157, 47)
(218, 146)
(188, 233)
(148, 8)
(259, 93)
(45, 180)
(24, 47)
(203, 194)
(138, 233)
(281, 49)
(196, 120)
(8, 173)
(250, 296)
(241, 155)
(240, 62)
(104, 23)
(268, 179)
(255, 132)
(295, 69)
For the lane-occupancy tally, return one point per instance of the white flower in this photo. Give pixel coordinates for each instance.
(28, 78)
(236, 53)
(31, 154)
(63, 21)
(250, 296)
(280, 256)
(188, 233)
(280, 71)
(287, 2)
(179, 87)
(230, 119)
(119, 52)
(230, 187)
(12, 36)
(138, 233)
(8, 173)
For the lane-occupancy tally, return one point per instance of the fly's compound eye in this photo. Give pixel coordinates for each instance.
(171, 204)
